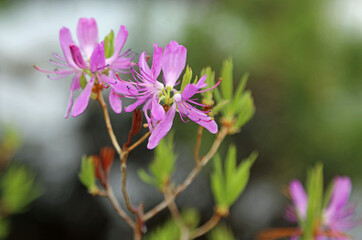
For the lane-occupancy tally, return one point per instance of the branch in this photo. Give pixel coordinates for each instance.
(124, 183)
(117, 207)
(204, 160)
(197, 145)
(213, 221)
(136, 144)
(108, 124)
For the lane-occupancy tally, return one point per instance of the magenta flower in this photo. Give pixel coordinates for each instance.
(152, 92)
(89, 60)
(336, 218)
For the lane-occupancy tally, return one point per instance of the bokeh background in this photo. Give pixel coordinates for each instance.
(305, 64)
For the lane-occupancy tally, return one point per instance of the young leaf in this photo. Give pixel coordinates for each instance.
(19, 189)
(109, 44)
(210, 81)
(227, 78)
(221, 232)
(186, 78)
(87, 174)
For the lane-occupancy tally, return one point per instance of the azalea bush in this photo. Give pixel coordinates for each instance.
(160, 86)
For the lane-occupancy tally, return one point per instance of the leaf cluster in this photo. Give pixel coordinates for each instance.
(240, 104)
(221, 232)
(18, 189)
(162, 166)
(228, 183)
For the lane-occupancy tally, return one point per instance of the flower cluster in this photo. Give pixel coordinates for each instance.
(95, 69)
(337, 217)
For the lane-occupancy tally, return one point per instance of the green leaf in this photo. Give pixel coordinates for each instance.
(87, 174)
(19, 189)
(247, 110)
(218, 107)
(210, 81)
(240, 178)
(240, 89)
(163, 164)
(315, 194)
(186, 78)
(228, 186)
(191, 218)
(217, 182)
(221, 232)
(227, 78)
(109, 44)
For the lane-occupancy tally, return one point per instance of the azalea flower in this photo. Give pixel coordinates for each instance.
(337, 217)
(88, 60)
(152, 93)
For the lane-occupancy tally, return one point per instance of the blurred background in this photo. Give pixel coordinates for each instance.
(305, 64)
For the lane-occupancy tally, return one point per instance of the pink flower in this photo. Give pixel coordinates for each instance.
(88, 59)
(337, 217)
(152, 92)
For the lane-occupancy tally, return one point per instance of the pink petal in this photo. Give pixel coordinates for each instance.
(97, 60)
(299, 197)
(115, 101)
(156, 61)
(134, 105)
(173, 62)
(65, 38)
(77, 56)
(191, 89)
(157, 110)
(162, 128)
(119, 41)
(73, 87)
(81, 102)
(87, 33)
(142, 63)
(341, 190)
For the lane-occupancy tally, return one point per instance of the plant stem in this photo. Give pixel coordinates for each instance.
(124, 183)
(139, 141)
(204, 160)
(213, 221)
(109, 124)
(197, 145)
(117, 207)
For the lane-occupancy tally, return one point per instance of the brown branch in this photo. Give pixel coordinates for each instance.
(204, 160)
(124, 184)
(139, 141)
(109, 124)
(213, 221)
(197, 145)
(117, 207)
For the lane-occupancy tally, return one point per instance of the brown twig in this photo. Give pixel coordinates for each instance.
(109, 124)
(197, 145)
(139, 141)
(204, 160)
(117, 207)
(213, 221)
(124, 184)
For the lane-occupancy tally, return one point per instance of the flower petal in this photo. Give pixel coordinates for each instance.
(173, 62)
(162, 128)
(156, 61)
(65, 38)
(115, 102)
(341, 190)
(87, 33)
(142, 63)
(119, 41)
(97, 60)
(157, 110)
(73, 87)
(81, 102)
(134, 105)
(77, 56)
(299, 198)
(191, 89)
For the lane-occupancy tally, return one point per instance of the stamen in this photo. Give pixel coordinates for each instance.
(205, 90)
